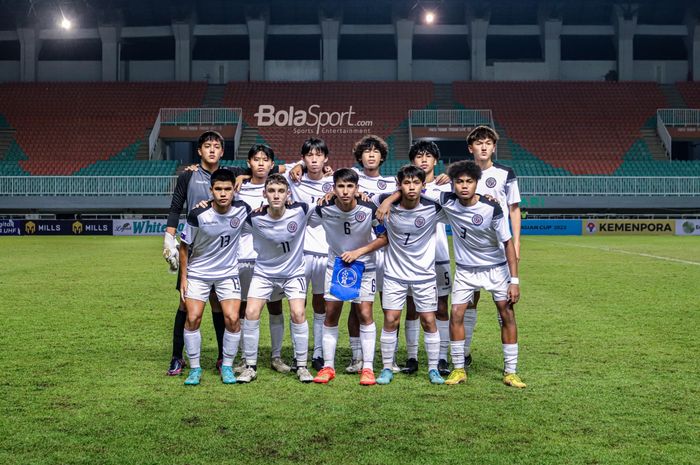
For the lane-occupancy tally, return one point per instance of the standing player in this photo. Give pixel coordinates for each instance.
(499, 182)
(425, 155)
(193, 187)
(370, 152)
(209, 260)
(313, 186)
(348, 226)
(261, 159)
(409, 266)
(485, 257)
(278, 237)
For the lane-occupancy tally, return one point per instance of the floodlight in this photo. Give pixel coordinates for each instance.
(429, 17)
(66, 23)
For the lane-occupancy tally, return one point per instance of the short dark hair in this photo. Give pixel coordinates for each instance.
(276, 179)
(266, 149)
(424, 146)
(369, 142)
(223, 175)
(311, 144)
(410, 171)
(210, 135)
(460, 168)
(346, 175)
(482, 132)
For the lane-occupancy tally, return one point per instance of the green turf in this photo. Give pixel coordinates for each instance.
(609, 349)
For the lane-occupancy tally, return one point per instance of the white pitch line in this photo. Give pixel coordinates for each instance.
(610, 249)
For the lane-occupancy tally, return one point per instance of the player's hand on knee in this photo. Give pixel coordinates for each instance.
(170, 252)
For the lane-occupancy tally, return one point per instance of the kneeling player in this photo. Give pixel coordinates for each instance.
(348, 227)
(409, 265)
(278, 238)
(479, 229)
(209, 259)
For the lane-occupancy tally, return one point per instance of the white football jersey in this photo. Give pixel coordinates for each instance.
(410, 255)
(478, 232)
(347, 230)
(499, 182)
(375, 185)
(251, 194)
(442, 246)
(280, 242)
(213, 240)
(309, 191)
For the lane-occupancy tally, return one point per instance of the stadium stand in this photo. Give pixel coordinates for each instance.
(385, 104)
(64, 128)
(690, 91)
(575, 127)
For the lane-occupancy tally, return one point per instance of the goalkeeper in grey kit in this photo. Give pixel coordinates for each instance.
(193, 187)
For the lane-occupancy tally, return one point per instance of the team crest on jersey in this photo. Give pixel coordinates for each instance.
(420, 222)
(347, 277)
(477, 219)
(381, 184)
(360, 216)
(235, 222)
(292, 226)
(327, 187)
(491, 182)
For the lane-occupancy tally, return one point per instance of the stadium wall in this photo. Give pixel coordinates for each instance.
(441, 71)
(69, 71)
(9, 71)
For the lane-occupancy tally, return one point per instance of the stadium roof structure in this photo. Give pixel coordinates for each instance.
(91, 13)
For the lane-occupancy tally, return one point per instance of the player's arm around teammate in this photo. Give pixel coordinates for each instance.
(208, 258)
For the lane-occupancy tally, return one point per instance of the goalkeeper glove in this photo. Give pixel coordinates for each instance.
(170, 252)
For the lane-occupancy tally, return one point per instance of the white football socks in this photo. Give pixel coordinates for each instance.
(457, 350)
(356, 347)
(251, 337)
(510, 358)
(469, 324)
(412, 332)
(368, 338)
(388, 343)
(330, 342)
(300, 336)
(319, 318)
(432, 348)
(193, 344)
(276, 335)
(444, 331)
(230, 347)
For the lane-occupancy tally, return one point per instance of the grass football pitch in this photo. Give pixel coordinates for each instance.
(609, 348)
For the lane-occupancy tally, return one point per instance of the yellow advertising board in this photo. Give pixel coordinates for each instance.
(628, 227)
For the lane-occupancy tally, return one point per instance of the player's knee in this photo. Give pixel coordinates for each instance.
(193, 322)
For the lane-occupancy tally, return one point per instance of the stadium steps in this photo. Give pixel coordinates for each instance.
(249, 137)
(654, 145)
(143, 151)
(674, 99)
(214, 96)
(442, 97)
(398, 142)
(7, 138)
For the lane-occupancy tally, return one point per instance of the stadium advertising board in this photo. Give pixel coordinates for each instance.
(627, 227)
(67, 227)
(142, 227)
(10, 227)
(688, 227)
(551, 228)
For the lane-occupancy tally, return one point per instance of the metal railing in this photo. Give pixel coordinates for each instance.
(609, 185)
(529, 185)
(664, 136)
(679, 116)
(199, 116)
(466, 118)
(51, 186)
(153, 138)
